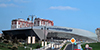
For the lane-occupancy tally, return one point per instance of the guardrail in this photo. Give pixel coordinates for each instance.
(61, 45)
(45, 47)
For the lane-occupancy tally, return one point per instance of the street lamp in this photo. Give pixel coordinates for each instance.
(45, 29)
(32, 19)
(31, 26)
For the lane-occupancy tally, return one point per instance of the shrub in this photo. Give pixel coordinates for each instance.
(2, 46)
(6, 41)
(15, 48)
(21, 45)
(9, 47)
(38, 46)
(25, 44)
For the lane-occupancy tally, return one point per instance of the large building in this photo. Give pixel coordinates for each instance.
(43, 28)
(98, 34)
(21, 23)
(43, 22)
(54, 32)
(0, 35)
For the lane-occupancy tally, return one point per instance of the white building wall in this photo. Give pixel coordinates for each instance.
(17, 25)
(40, 23)
(98, 35)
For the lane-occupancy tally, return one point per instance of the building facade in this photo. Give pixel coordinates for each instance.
(54, 32)
(98, 34)
(43, 22)
(20, 23)
(0, 35)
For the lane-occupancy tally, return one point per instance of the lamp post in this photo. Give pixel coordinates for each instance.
(31, 26)
(44, 30)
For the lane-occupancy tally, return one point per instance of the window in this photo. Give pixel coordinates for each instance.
(18, 26)
(23, 24)
(34, 23)
(38, 23)
(27, 24)
(20, 23)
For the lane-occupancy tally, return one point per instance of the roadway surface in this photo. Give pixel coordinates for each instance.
(52, 49)
(69, 47)
(56, 43)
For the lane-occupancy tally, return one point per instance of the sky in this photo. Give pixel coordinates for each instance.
(81, 14)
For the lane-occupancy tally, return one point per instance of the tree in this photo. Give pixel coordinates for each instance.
(15, 40)
(0, 39)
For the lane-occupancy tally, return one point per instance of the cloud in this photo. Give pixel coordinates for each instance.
(63, 8)
(5, 0)
(8, 5)
(20, 1)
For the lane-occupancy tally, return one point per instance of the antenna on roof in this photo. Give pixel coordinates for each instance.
(28, 19)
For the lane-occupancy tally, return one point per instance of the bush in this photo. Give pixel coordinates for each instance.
(10, 43)
(21, 45)
(9, 47)
(15, 48)
(25, 44)
(0, 39)
(38, 46)
(2, 46)
(6, 41)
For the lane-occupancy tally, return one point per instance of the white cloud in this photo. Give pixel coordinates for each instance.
(20, 1)
(63, 8)
(8, 5)
(5, 0)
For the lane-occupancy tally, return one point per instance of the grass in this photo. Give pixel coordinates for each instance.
(22, 48)
(4, 46)
(95, 46)
(34, 46)
(64, 46)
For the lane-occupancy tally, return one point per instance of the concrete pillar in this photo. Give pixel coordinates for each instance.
(33, 40)
(42, 43)
(45, 43)
(29, 39)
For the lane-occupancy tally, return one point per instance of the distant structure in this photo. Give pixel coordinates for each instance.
(24, 30)
(0, 35)
(43, 22)
(21, 23)
(98, 34)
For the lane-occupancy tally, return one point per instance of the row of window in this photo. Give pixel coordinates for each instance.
(63, 29)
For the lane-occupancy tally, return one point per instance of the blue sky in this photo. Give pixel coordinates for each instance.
(82, 14)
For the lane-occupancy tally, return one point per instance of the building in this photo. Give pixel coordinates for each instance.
(54, 32)
(0, 35)
(43, 22)
(21, 23)
(22, 29)
(98, 34)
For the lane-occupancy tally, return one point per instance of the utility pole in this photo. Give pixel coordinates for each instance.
(31, 27)
(44, 31)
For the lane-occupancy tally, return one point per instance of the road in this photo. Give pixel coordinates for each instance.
(69, 47)
(53, 49)
(56, 43)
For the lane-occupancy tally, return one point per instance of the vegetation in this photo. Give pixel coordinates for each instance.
(13, 44)
(95, 46)
(63, 47)
(7, 46)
